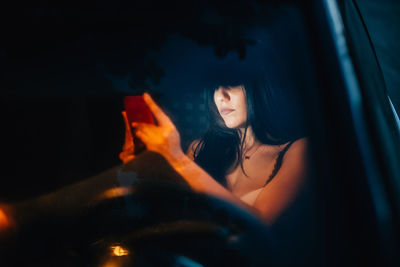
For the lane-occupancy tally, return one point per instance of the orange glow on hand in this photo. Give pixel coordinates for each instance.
(128, 147)
(119, 251)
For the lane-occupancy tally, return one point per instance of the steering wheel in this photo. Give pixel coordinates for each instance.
(155, 224)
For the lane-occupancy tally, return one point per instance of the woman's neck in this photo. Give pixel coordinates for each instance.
(249, 137)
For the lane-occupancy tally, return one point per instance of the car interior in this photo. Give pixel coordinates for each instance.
(64, 132)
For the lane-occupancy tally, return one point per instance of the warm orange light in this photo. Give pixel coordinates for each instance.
(110, 264)
(117, 192)
(4, 221)
(119, 251)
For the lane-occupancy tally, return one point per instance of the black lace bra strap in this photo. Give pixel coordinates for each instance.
(278, 163)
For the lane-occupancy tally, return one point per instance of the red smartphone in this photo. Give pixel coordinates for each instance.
(137, 110)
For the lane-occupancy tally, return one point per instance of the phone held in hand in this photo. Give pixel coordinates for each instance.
(137, 111)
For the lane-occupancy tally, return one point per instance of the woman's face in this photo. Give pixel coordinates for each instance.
(231, 104)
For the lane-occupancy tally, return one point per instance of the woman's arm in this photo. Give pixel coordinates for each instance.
(272, 200)
(164, 139)
(199, 180)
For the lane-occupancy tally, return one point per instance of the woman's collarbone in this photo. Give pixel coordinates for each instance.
(255, 171)
(253, 175)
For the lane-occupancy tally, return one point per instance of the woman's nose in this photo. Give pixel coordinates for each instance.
(222, 95)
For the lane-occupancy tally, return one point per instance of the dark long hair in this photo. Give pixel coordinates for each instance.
(272, 113)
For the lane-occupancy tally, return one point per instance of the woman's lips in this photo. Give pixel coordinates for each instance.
(226, 111)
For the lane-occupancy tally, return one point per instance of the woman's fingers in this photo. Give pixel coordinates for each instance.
(127, 126)
(161, 117)
(145, 138)
(151, 134)
(125, 157)
(125, 119)
(128, 146)
(137, 125)
(140, 134)
(141, 127)
(162, 138)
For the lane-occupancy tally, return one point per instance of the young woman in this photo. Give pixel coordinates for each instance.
(254, 153)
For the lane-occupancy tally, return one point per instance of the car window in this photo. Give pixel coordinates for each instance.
(68, 85)
(68, 69)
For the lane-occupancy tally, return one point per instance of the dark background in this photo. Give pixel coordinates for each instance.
(66, 66)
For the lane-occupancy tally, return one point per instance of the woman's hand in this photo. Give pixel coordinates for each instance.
(162, 138)
(128, 147)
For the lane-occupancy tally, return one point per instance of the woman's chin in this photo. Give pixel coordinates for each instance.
(233, 125)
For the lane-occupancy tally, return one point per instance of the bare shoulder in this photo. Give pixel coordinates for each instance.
(298, 148)
(294, 163)
(296, 155)
(282, 190)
